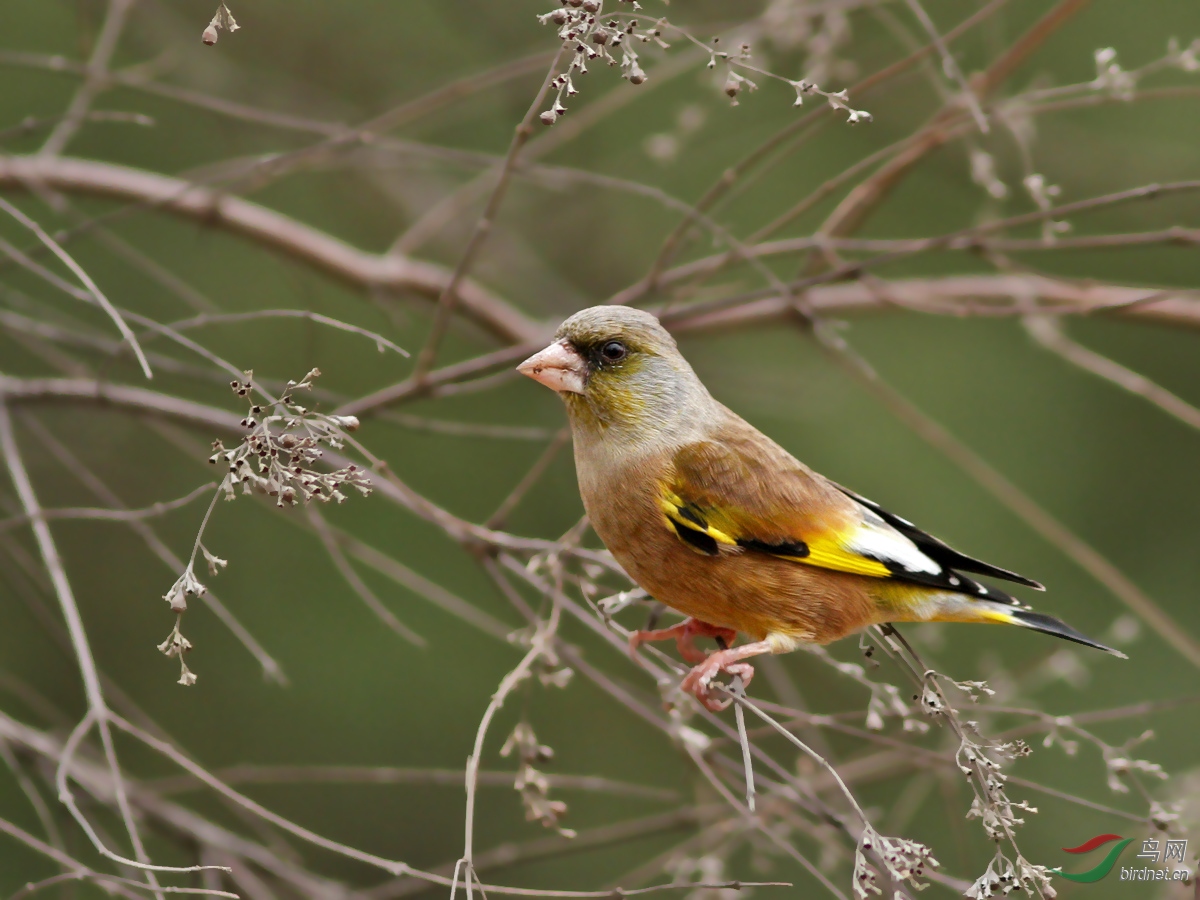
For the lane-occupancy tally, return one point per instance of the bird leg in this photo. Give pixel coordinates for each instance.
(684, 634)
(697, 681)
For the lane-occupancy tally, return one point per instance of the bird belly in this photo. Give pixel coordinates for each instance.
(749, 591)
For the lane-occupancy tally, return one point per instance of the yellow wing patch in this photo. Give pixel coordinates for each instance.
(826, 554)
(830, 555)
(681, 514)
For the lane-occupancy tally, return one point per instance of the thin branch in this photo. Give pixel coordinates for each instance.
(1024, 47)
(747, 759)
(529, 479)
(379, 775)
(391, 866)
(959, 295)
(185, 825)
(37, 329)
(352, 578)
(950, 295)
(98, 712)
(537, 649)
(736, 173)
(411, 388)
(95, 77)
(1048, 332)
(949, 64)
(959, 237)
(423, 587)
(78, 869)
(271, 669)
(113, 515)
(513, 853)
(110, 881)
(94, 291)
(449, 296)
(388, 485)
(455, 428)
(401, 115)
(564, 131)
(32, 794)
(711, 265)
(853, 211)
(206, 319)
(171, 753)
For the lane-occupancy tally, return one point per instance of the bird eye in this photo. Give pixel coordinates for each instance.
(614, 351)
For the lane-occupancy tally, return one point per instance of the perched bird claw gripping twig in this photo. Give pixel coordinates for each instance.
(684, 634)
(698, 681)
(706, 666)
(717, 521)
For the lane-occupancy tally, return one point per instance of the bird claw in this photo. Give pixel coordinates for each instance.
(684, 634)
(705, 667)
(698, 681)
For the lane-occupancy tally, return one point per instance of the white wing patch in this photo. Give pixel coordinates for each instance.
(875, 539)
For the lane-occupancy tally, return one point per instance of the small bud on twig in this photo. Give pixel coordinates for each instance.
(223, 19)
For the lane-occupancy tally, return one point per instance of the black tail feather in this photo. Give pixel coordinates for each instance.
(1050, 625)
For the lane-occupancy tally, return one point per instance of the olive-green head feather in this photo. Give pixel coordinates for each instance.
(618, 370)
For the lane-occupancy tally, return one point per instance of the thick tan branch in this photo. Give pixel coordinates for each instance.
(363, 270)
(302, 242)
(966, 295)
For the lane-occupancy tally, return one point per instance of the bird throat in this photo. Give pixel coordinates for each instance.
(617, 422)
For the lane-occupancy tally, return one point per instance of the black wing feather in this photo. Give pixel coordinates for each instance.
(941, 552)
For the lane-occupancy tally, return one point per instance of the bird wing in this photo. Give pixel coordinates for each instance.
(740, 490)
(937, 549)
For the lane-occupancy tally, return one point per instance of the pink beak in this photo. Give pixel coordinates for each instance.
(559, 367)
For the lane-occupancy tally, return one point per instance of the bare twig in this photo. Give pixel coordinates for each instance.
(271, 669)
(949, 64)
(95, 77)
(1047, 331)
(98, 713)
(94, 292)
(112, 515)
(206, 319)
(747, 759)
(250, 774)
(449, 296)
(385, 615)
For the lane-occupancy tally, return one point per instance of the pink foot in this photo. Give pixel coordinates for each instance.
(697, 681)
(684, 634)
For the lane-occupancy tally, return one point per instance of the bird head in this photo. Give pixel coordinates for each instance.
(616, 367)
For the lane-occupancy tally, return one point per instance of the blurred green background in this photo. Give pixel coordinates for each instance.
(1117, 471)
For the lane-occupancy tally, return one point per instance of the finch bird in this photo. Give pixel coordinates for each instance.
(717, 521)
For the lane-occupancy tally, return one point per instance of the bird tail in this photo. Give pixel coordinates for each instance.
(1047, 625)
